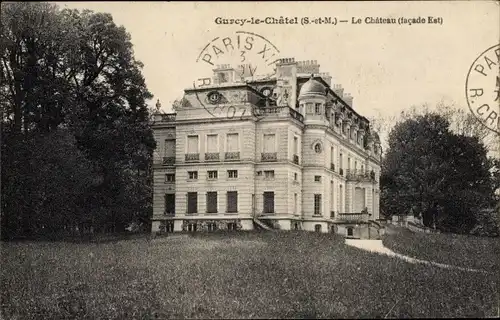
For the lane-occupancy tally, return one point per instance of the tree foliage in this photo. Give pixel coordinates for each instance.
(70, 78)
(436, 173)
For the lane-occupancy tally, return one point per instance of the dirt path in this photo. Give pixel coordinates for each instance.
(378, 247)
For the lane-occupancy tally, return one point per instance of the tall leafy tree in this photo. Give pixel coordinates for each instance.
(75, 72)
(433, 172)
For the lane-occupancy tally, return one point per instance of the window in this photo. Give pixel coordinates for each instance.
(170, 203)
(170, 177)
(317, 108)
(296, 226)
(212, 174)
(295, 176)
(350, 232)
(340, 160)
(295, 145)
(192, 144)
(348, 163)
(211, 202)
(170, 148)
(259, 173)
(332, 155)
(317, 228)
(192, 205)
(212, 145)
(232, 174)
(317, 204)
(193, 175)
(269, 174)
(317, 148)
(269, 143)
(232, 202)
(355, 165)
(268, 202)
(232, 142)
(295, 203)
(317, 178)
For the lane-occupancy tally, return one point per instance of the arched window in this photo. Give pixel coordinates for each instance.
(317, 228)
(350, 232)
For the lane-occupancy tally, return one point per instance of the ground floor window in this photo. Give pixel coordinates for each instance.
(232, 202)
(192, 202)
(350, 232)
(333, 229)
(169, 203)
(296, 226)
(317, 228)
(268, 202)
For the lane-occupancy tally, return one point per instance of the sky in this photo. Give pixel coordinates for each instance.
(386, 67)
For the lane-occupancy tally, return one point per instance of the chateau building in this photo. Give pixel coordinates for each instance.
(286, 151)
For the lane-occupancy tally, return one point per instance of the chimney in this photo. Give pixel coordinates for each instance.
(348, 99)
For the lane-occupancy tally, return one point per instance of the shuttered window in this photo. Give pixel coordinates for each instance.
(232, 201)
(268, 202)
(192, 205)
(269, 143)
(170, 148)
(192, 144)
(211, 202)
(212, 143)
(232, 142)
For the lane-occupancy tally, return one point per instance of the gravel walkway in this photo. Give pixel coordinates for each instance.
(378, 247)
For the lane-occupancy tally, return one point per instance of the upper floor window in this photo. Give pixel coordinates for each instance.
(269, 174)
(317, 108)
(212, 174)
(193, 175)
(170, 148)
(295, 145)
(317, 204)
(269, 143)
(317, 178)
(232, 174)
(192, 144)
(232, 143)
(212, 143)
(170, 177)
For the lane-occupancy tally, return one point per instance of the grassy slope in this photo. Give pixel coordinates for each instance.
(300, 275)
(459, 250)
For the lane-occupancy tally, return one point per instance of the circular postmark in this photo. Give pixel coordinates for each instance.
(482, 88)
(227, 64)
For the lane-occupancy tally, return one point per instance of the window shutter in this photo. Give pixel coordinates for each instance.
(193, 144)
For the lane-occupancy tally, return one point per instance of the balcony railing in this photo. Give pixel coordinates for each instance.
(232, 156)
(285, 111)
(353, 217)
(212, 156)
(360, 175)
(168, 161)
(168, 117)
(269, 156)
(295, 159)
(192, 157)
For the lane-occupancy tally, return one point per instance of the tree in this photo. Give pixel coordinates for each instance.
(442, 176)
(75, 71)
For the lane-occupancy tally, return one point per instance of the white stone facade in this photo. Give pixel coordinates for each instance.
(294, 161)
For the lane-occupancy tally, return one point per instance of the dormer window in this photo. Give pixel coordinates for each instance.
(317, 108)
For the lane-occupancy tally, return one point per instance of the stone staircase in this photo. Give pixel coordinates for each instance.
(261, 224)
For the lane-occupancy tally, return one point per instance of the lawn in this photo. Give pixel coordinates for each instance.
(237, 275)
(458, 250)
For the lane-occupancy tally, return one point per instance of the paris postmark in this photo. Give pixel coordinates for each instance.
(482, 88)
(233, 59)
